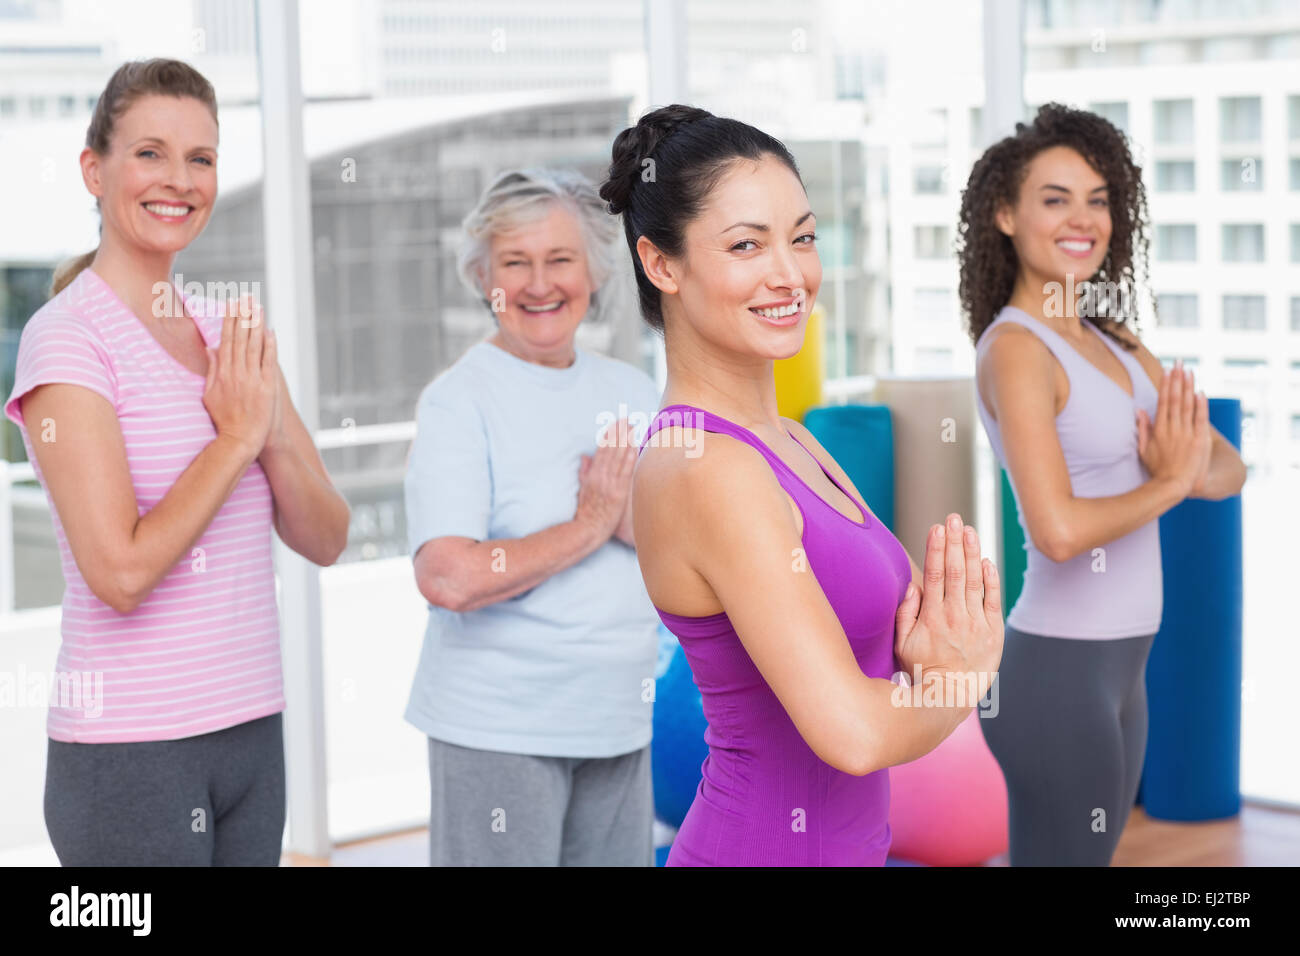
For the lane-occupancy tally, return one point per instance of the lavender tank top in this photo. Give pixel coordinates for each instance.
(766, 799)
(1116, 590)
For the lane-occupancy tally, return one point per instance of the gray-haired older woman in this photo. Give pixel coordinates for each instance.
(541, 644)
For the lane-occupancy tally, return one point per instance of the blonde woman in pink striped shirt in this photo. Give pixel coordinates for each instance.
(169, 449)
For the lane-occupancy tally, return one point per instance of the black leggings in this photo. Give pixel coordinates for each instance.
(212, 800)
(1070, 735)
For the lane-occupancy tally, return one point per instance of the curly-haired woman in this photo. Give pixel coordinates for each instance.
(1099, 441)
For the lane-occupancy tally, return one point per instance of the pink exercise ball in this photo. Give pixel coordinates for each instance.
(949, 808)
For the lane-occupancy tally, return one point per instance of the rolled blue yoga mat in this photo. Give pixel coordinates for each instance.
(861, 439)
(1193, 757)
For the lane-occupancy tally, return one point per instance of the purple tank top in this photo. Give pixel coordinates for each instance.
(766, 799)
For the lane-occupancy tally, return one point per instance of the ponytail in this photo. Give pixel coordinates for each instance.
(69, 269)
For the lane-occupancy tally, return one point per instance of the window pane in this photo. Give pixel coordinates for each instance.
(1116, 113)
(1243, 312)
(1243, 242)
(1173, 122)
(928, 179)
(1176, 176)
(1241, 175)
(1176, 243)
(1177, 310)
(932, 242)
(935, 306)
(1239, 119)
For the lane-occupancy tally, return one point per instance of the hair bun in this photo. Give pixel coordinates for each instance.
(634, 145)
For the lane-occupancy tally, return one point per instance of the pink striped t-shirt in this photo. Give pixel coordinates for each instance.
(202, 651)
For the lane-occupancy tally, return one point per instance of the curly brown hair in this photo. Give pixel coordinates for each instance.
(988, 261)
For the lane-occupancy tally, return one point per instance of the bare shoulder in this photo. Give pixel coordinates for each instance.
(1011, 349)
(1016, 369)
(1155, 371)
(1014, 338)
(684, 468)
(698, 499)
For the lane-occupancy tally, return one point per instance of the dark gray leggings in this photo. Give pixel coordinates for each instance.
(212, 800)
(1070, 735)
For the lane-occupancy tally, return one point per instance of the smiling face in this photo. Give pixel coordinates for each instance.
(538, 274)
(750, 272)
(157, 184)
(1061, 224)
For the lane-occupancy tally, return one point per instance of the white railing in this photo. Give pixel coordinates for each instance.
(834, 391)
(10, 472)
(13, 472)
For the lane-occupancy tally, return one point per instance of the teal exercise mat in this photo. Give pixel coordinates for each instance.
(861, 439)
(1012, 560)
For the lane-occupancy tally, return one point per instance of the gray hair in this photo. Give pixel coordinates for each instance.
(519, 196)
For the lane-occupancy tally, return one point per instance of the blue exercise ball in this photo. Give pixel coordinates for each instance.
(677, 750)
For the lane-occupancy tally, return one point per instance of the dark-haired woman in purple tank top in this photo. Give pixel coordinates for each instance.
(793, 604)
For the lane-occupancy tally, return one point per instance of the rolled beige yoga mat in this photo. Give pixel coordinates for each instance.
(934, 453)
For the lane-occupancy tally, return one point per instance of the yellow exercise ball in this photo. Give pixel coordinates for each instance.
(799, 377)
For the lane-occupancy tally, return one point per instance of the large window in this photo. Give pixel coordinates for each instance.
(49, 84)
(1214, 120)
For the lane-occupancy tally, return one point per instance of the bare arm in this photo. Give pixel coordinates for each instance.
(122, 554)
(462, 574)
(310, 515)
(1227, 472)
(909, 747)
(734, 526)
(1020, 374)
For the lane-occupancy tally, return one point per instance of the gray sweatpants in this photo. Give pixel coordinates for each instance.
(489, 808)
(212, 800)
(1070, 735)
